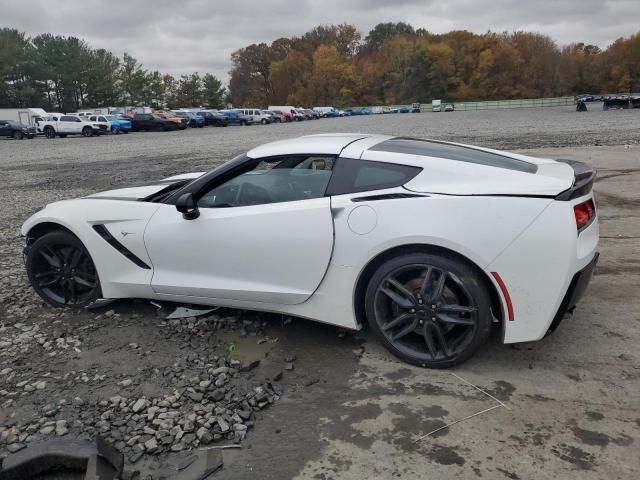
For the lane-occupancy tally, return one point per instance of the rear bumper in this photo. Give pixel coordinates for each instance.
(576, 289)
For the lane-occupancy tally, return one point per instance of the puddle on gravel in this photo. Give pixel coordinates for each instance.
(249, 348)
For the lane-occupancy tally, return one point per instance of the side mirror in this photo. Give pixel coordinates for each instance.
(186, 205)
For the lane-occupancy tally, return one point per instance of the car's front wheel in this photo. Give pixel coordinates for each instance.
(429, 310)
(61, 270)
(49, 132)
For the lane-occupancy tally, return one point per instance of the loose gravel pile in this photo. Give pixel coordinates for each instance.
(207, 397)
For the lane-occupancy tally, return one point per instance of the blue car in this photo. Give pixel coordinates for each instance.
(116, 123)
(194, 119)
(359, 111)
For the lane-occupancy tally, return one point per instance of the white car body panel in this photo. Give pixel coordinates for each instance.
(305, 257)
(119, 277)
(238, 253)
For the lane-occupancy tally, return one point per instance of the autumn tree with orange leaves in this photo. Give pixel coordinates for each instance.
(397, 64)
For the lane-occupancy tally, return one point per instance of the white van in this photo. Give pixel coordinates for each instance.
(257, 114)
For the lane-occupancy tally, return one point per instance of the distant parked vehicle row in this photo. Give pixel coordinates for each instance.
(138, 119)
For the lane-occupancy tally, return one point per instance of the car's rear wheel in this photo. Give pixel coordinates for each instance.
(87, 132)
(18, 135)
(61, 271)
(429, 310)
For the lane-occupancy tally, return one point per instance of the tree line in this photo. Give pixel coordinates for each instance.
(398, 64)
(65, 74)
(329, 65)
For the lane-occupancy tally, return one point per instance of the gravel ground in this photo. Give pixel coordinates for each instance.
(321, 403)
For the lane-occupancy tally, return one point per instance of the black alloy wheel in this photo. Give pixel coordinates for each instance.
(18, 135)
(61, 271)
(50, 132)
(428, 310)
(87, 132)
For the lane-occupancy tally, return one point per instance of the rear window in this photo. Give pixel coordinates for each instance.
(430, 148)
(352, 176)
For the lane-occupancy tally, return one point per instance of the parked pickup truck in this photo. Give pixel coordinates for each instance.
(71, 125)
(151, 122)
(13, 129)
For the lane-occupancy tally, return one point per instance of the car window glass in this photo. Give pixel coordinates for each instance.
(273, 180)
(102, 119)
(353, 176)
(93, 119)
(67, 119)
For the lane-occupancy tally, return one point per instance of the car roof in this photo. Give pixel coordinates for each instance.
(329, 144)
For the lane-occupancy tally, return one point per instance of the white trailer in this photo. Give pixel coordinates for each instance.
(26, 116)
(436, 105)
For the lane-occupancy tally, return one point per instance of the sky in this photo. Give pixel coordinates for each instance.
(184, 36)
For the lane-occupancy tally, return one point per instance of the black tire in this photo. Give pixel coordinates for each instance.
(62, 135)
(263, 121)
(61, 271)
(87, 132)
(18, 135)
(115, 130)
(437, 323)
(49, 132)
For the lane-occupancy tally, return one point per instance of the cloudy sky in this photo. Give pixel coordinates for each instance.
(181, 36)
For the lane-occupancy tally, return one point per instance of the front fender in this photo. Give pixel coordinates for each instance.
(125, 220)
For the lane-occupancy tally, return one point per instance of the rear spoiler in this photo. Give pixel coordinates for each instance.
(585, 176)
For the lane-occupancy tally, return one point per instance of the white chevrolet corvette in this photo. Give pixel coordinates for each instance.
(429, 242)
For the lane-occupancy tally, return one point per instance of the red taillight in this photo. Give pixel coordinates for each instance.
(584, 212)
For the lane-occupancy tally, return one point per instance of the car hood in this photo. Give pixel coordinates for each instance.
(145, 191)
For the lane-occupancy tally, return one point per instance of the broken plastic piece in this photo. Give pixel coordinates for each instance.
(184, 312)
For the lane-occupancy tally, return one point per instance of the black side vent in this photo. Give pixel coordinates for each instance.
(386, 196)
(110, 239)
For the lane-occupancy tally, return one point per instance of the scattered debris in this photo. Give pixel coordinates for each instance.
(499, 405)
(186, 312)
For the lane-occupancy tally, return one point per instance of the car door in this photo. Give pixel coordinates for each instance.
(265, 235)
(67, 124)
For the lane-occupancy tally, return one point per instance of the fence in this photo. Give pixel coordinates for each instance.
(523, 103)
(490, 104)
